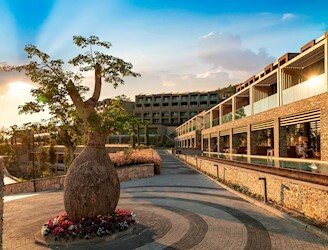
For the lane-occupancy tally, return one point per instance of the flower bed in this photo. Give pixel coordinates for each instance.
(63, 228)
(135, 157)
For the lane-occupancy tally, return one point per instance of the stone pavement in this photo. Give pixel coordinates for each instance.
(179, 209)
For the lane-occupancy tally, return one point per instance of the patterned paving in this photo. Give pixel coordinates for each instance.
(179, 209)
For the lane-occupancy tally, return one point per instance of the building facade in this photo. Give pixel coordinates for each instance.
(175, 109)
(278, 110)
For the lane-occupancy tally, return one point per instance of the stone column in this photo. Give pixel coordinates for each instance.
(230, 141)
(221, 142)
(249, 140)
(220, 114)
(324, 130)
(234, 143)
(253, 143)
(280, 139)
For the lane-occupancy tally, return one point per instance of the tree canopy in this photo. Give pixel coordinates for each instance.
(58, 84)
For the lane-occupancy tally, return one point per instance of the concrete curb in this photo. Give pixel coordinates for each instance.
(273, 210)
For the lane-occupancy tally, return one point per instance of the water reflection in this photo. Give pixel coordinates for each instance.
(310, 166)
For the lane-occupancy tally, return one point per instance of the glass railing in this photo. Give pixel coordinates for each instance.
(227, 117)
(243, 112)
(207, 125)
(306, 89)
(265, 104)
(215, 122)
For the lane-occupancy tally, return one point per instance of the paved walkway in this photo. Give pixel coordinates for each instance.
(179, 209)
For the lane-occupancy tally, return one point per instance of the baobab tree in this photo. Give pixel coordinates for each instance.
(91, 185)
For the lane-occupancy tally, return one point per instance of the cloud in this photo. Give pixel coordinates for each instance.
(169, 84)
(287, 16)
(8, 77)
(225, 50)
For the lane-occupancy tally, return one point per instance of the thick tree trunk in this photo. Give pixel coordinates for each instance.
(91, 186)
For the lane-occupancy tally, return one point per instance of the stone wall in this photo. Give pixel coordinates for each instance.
(135, 172)
(308, 199)
(56, 183)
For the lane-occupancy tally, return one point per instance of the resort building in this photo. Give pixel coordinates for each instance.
(282, 111)
(173, 109)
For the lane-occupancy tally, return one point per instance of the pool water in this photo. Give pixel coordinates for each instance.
(300, 165)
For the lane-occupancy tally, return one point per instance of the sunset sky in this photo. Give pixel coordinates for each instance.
(176, 45)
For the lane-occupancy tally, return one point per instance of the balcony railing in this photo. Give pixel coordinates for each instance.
(227, 117)
(306, 89)
(243, 112)
(215, 122)
(265, 104)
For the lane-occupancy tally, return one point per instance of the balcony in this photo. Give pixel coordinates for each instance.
(243, 112)
(204, 98)
(265, 104)
(215, 122)
(314, 86)
(227, 117)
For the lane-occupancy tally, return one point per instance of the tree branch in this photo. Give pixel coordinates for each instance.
(97, 90)
(76, 98)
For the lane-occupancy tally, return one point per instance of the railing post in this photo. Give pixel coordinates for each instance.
(265, 188)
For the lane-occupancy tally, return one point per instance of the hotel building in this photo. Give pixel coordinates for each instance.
(283, 106)
(174, 109)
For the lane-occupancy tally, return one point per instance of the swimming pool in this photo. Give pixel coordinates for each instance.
(305, 165)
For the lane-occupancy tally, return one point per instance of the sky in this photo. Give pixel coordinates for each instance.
(176, 45)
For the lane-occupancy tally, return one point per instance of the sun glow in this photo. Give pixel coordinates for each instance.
(314, 80)
(19, 88)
